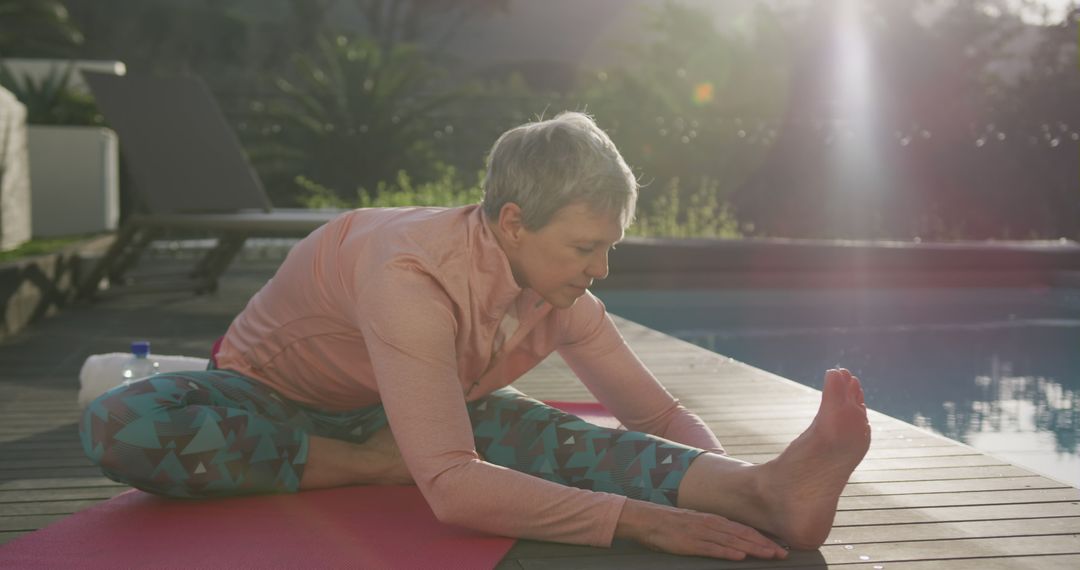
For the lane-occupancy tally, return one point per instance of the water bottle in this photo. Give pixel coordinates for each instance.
(140, 365)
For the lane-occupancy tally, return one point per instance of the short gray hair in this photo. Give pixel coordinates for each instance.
(547, 165)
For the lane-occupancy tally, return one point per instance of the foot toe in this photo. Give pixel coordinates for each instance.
(855, 391)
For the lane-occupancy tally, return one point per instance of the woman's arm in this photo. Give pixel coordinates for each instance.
(409, 329)
(599, 356)
(412, 348)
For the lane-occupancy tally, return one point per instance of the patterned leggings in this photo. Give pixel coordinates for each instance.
(217, 433)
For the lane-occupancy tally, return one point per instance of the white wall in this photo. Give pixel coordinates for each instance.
(15, 181)
(75, 177)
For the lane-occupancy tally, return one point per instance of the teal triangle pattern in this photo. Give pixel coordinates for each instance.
(140, 433)
(209, 437)
(265, 450)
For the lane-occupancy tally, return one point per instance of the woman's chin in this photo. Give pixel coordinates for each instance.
(561, 299)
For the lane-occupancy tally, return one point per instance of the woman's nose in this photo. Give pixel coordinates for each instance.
(598, 265)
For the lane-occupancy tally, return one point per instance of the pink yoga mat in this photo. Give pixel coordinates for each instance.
(355, 527)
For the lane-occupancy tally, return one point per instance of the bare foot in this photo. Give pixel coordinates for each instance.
(801, 487)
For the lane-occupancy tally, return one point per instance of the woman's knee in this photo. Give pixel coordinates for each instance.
(119, 425)
(187, 435)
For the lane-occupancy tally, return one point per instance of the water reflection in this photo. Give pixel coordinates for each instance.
(996, 369)
(1004, 402)
(1008, 390)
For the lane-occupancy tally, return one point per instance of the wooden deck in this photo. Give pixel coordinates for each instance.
(917, 501)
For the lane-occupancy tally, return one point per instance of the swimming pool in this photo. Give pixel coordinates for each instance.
(998, 369)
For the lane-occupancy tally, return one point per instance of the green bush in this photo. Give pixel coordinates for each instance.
(349, 114)
(51, 101)
(446, 190)
(700, 211)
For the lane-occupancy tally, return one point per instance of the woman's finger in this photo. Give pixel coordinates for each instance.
(729, 534)
(744, 533)
(753, 548)
(719, 551)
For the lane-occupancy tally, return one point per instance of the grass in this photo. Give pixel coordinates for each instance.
(37, 247)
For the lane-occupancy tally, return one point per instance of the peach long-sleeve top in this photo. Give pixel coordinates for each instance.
(401, 306)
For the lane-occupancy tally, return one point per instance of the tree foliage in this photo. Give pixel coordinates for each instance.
(37, 28)
(350, 115)
(694, 103)
(973, 126)
(415, 21)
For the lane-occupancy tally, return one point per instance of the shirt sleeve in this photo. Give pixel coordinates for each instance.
(409, 328)
(596, 352)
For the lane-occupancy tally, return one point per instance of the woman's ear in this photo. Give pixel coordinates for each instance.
(511, 224)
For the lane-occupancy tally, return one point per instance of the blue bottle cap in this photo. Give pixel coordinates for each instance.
(140, 348)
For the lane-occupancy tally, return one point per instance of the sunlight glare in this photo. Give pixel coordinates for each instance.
(856, 160)
(1042, 12)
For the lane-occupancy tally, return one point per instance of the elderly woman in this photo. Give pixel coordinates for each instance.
(415, 322)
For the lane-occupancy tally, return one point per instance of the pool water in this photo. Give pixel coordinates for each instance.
(998, 369)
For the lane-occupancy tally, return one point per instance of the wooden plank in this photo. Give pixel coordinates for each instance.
(948, 549)
(41, 436)
(13, 464)
(59, 472)
(951, 530)
(28, 522)
(961, 457)
(42, 427)
(71, 452)
(6, 537)
(899, 438)
(888, 449)
(1040, 562)
(947, 514)
(76, 493)
(969, 460)
(909, 450)
(45, 508)
(788, 428)
(56, 483)
(959, 499)
(68, 403)
(939, 474)
(30, 445)
(50, 421)
(952, 486)
(47, 432)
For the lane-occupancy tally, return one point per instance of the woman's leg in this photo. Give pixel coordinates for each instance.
(217, 433)
(196, 434)
(795, 495)
(518, 432)
(335, 462)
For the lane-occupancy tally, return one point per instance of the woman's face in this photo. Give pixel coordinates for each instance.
(560, 260)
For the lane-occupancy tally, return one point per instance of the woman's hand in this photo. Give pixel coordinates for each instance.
(682, 531)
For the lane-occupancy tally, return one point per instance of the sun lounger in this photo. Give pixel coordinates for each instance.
(187, 173)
